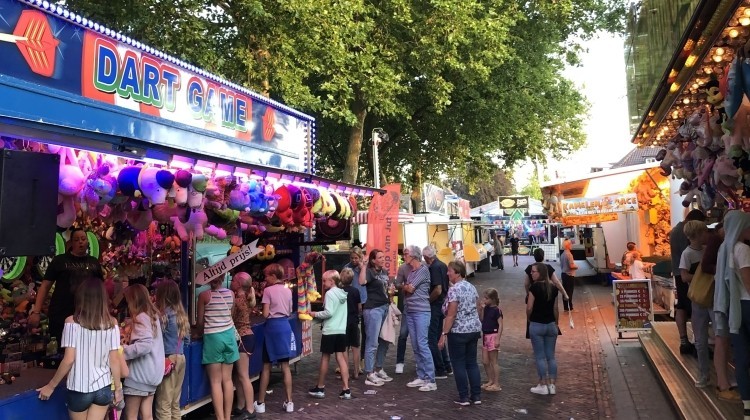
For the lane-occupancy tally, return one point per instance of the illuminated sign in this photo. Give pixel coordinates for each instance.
(607, 204)
(514, 202)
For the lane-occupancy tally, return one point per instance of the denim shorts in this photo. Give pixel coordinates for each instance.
(79, 402)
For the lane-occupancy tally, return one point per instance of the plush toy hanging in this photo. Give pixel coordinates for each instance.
(307, 292)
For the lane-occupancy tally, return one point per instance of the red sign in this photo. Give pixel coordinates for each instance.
(382, 226)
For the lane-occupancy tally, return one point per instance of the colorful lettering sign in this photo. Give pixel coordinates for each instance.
(597, 205)
(589, 219)
(513, 202)
(143, 90)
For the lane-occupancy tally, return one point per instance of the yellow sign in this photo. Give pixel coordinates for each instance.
(589, 219)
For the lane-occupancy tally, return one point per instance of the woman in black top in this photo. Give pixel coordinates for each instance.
(375, 309)
(543, 314)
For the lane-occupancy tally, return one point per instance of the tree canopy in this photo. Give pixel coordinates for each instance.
(460, 86)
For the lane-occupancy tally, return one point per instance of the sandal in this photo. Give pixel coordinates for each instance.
(493, 388)
(485, 385)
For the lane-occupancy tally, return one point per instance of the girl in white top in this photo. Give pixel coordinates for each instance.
(91, 340)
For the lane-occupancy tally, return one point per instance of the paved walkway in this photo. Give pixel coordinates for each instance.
(596, 378)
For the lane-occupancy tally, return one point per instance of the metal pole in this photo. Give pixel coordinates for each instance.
(375, 158)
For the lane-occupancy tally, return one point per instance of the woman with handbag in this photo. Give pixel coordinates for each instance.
(219, 344)
(695, 231)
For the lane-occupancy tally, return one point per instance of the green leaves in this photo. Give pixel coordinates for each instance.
(460, 86)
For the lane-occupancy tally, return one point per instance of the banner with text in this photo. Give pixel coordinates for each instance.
(617, 203)
(382, 226)
(231, 261)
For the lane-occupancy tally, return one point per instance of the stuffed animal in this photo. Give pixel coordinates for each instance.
(301, 214)
(127, 181)
(155, 184)
(196, 191)
(284, 210)
(141, 217)
(239, 197)
(307, 292)
(71, 182)
(100, 187)
(182, 180)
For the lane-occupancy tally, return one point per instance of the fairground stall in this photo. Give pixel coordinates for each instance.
(445, 225)
(173, 172)
(603, 211)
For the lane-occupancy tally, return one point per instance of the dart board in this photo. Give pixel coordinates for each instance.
(12, 267)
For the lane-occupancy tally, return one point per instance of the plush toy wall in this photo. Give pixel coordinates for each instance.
(653, 212)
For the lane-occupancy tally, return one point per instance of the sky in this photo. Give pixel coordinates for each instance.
(602, 80)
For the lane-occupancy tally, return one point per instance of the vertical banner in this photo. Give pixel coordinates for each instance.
(382, 226)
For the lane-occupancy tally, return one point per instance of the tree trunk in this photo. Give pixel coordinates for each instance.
(351, 169)
(417, 203)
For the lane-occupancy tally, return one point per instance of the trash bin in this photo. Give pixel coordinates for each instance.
(484, 265)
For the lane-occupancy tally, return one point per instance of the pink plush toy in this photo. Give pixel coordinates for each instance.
(141, 217)
(71, 182)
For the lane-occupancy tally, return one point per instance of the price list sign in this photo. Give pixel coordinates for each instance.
(633, 308)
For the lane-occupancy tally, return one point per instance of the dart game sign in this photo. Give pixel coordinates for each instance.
(146, 93)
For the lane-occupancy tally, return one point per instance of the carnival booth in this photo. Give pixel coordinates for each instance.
(446, 226)
(172, 172)
(605, 210)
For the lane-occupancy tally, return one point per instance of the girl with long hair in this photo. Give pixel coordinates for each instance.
(374, 276)
(91, 340)
(175, 327)
(244, 300)
(542, 310)
(144, 353)
(492, 330)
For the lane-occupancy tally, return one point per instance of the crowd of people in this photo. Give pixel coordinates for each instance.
(713, 267)
(139, 371)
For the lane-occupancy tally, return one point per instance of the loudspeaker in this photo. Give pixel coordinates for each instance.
(28, 203)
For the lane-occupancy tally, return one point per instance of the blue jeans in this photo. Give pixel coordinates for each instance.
(79, 402)
(375, 347)
(700, 318)
(543, 340)
(403, 335)
(419, 324)
(463, 350)
(439, 357)
(741, 348)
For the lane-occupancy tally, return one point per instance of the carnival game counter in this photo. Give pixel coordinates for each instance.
(20, 401)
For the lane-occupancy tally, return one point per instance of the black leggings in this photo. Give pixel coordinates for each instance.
(569, 284)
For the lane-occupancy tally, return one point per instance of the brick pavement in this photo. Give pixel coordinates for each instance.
(584, 390)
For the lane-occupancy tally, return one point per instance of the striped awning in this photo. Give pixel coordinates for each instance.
(361, 217)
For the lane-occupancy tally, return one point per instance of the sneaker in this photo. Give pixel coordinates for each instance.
(687, 348)
(288, 406)
(237, 411)
(429, 386)
(243, 415)
(399, 368)
(729, 395)
(346, 394)
(462, 402)
(383, 376)
(259, 408)
(701, 383)
(317, 392)
(449, 372)
(373, 380)
(416, 383)
(475, 402)
(552, 389)
(540, 389)
(441, 376)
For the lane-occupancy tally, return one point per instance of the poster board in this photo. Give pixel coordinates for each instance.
(633, 308)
